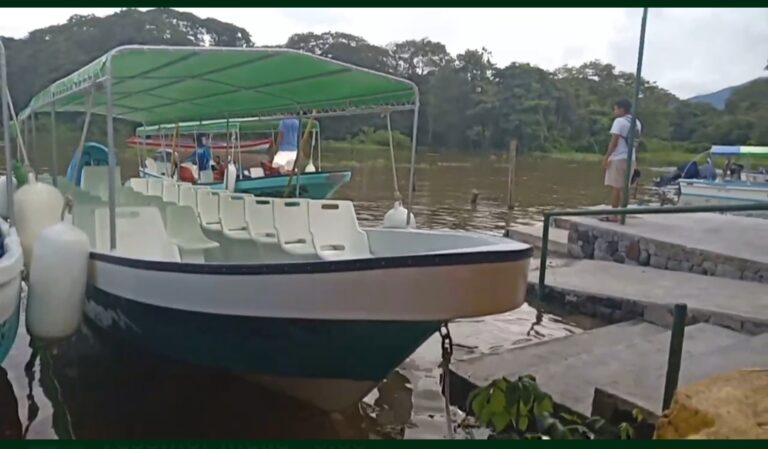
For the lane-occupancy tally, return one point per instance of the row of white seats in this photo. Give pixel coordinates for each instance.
(324, 228)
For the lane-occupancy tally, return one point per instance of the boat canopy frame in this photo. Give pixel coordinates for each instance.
(125, 79)
(4, 105)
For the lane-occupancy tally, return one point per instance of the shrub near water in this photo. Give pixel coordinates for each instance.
(521, 410)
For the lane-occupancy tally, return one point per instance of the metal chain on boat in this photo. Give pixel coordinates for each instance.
(446, 342)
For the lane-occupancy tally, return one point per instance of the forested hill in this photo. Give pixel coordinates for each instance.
(468, 102)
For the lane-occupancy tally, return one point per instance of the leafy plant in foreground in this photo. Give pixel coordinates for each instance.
(521, 410)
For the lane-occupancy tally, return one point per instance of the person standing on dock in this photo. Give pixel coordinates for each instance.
(615, 160)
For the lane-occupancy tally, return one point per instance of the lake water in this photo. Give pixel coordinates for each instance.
(93, 387)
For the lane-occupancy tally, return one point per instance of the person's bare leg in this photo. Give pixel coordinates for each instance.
(615, 201)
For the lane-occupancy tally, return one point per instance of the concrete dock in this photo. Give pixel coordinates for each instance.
(631, 276)
(616, 292)
(626, 360)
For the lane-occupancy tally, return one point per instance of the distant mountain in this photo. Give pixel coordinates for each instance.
(718, 98)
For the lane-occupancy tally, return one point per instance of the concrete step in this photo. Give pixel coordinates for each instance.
(532, 235)
(651, 292)
(615, 357)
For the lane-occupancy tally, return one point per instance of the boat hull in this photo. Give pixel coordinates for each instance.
(316, 186)
(704, 192)
(324, 332)
(11, 265)
(301, 357)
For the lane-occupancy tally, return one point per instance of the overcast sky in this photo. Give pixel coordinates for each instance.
(688, 51)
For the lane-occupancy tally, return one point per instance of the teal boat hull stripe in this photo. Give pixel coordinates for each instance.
(302, 348)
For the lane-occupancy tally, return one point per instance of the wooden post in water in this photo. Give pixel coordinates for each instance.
(511, 178)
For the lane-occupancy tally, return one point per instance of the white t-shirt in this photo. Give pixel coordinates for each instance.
(620, 127)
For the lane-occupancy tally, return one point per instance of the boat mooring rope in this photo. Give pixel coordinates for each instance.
(447, 349)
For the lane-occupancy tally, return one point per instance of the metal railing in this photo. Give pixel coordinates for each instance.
(623, 212)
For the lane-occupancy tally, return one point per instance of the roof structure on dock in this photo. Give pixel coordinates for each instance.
(153, 85)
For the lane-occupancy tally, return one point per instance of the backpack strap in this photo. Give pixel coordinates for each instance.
(628, 118)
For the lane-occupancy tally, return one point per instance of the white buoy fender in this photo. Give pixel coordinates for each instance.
(57, 281)
(37, 206)
(397, 217)
(4, 212)
(231, 177)
(310, 168)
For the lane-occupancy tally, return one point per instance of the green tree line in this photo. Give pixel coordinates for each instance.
(469, 103)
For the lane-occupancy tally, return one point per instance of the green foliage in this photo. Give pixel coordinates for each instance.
(380, 138)
(521, 410)
(467, 102)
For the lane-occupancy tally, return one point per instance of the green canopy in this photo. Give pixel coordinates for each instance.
(249, 125)
(154, 85)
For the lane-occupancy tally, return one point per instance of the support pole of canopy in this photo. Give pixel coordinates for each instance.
(226, 155)
(413, 161)
(25, 147)
(54, 155)
(319, 150)
(633, 124)
(5, 99)
(398, 197)
(296, 165)
(112, 158)
(33, 146)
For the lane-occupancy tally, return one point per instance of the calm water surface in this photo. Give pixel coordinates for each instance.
(93, 387)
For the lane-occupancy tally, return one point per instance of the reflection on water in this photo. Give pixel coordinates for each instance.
(93, 387)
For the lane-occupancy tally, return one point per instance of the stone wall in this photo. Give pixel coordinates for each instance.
(590, 242)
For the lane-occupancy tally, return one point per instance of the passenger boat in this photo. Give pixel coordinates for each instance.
(750, 187)
(11, 257)
(289, 292)
(313, 183)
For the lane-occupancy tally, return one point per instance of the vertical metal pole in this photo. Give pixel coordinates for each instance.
(112, 158)
(319, 150)
(675, 354)
(543, 260)
(6, 137)
(413, 161)
(226, 155)
(511, 178)
(33, 147)
(296, 164)
(398, 197)
(633, 125)
(54, 156)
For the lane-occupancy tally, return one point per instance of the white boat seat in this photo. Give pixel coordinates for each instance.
(335, 231)
(188, 197)
(140, 234)
(208, 209)
(184, 231)
(292, 224)
(261, 223)
(129, 197)
(140, 185)
(95, 180)
(155, 187)
(170, 192)
(232, 214)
